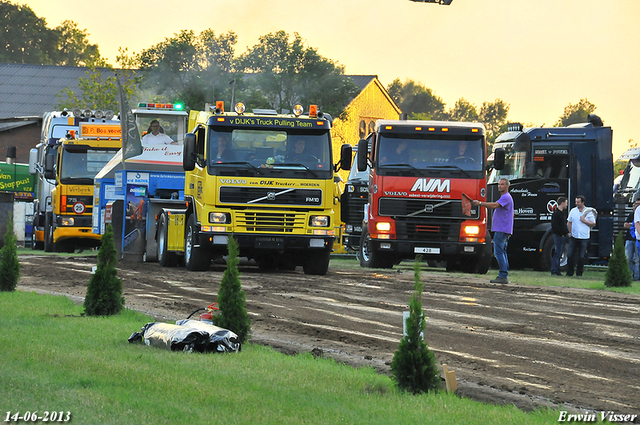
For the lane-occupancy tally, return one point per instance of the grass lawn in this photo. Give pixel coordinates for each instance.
(55, 359)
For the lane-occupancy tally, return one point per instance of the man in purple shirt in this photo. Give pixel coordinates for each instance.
(502, 226)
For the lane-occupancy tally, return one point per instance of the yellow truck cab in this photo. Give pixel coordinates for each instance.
(264, 178)
(70, 164)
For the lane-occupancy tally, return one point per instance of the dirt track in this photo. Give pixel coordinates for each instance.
(526, 345)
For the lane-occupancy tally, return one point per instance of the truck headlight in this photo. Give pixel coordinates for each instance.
(67, 221)
(472, 230)
(383, 226)
(319, 221)
(217, 217)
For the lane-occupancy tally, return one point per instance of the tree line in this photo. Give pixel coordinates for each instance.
(277, 72)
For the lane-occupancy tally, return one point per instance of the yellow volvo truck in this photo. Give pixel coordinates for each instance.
(70, 164)
(265, 179)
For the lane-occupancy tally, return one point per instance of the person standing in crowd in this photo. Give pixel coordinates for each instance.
(630, 243)
(502, 226)
(560, 232)
(581, 220)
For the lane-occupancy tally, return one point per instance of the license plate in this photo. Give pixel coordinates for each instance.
(426, 250)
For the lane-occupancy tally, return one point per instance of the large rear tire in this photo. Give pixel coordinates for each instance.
(546, 256)
(195, 258)
(165, 258)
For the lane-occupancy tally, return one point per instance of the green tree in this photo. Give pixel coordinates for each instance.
(494, 117)
(73, 48)
(414, 366)
(193, 69)
(232, 299)
(287, 73)
(9, 264)
(577, 113)
(104, 292)
(99, 89)
(618, 273)
(25, 38)
(416, 100)
(463, 111)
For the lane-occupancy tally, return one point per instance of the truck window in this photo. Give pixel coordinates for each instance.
(514, 166)
(271, 149)
(170, 125)
(421, 153)
(83, 164)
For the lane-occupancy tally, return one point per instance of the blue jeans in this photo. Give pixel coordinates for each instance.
(500, 242)
(577, 256)
(633, 258)
(560, 242)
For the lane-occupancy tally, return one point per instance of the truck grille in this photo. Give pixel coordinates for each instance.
(425, 208)
(71, 200)
(270, 196)
(432, 230)
(272, 222)
(355, 208)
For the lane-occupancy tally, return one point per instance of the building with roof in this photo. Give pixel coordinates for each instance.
(27, 92)
(372, 103)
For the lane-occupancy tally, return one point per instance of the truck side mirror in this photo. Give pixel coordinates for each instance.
(363, 152)
(498, 161)
(49, 164)
(189, 152)
(33, 159)
(346, 151)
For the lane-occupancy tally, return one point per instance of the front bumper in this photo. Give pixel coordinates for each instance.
(442, 250)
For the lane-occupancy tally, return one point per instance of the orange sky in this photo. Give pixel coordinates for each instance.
(536, 55)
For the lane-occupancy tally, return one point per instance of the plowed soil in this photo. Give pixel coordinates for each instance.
(508, 344)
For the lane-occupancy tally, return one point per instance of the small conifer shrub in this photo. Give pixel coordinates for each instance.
(9, 264)
(232, 299)
(104, 292)
(618, 273)
(414, 366)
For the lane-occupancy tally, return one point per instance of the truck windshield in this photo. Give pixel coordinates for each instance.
(81, 166)
(266, 151)
(161, 126)
(630, 181)
(396, 150)
(514, 165)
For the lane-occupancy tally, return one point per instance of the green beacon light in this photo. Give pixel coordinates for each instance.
(178, 106)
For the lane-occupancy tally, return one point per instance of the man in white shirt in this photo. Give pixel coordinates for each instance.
(155, 137)
(581, 220)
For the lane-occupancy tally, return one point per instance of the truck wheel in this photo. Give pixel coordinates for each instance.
(371, 258)
(195, 258)
(317, 264)
(165, 258)
(546, 257)
(48, 232)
